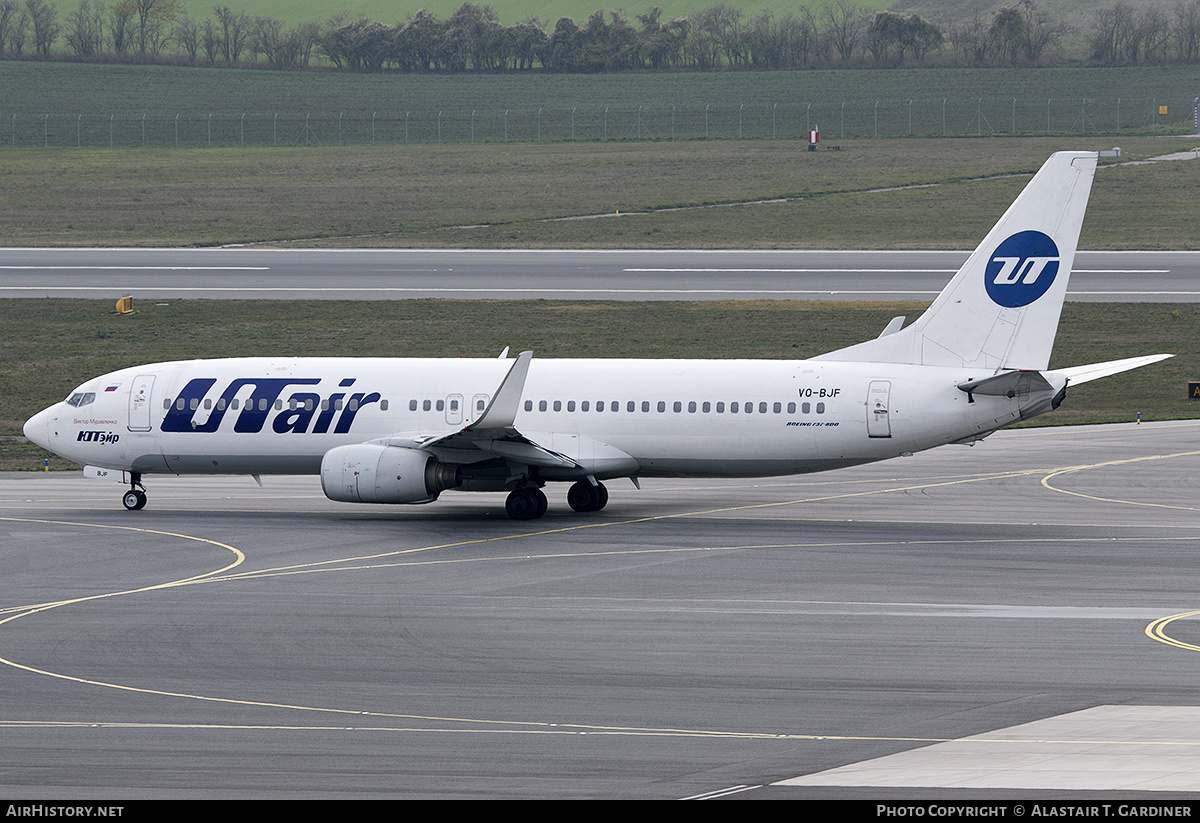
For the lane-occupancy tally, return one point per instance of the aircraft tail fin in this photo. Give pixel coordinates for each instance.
(1001, 310)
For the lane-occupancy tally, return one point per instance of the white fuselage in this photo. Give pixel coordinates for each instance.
(615, 418)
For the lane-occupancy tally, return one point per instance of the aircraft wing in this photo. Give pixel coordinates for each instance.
(493, 434)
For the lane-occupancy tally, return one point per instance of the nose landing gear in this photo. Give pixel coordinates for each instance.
(135, 498)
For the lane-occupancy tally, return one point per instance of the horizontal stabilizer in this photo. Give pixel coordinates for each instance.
(1084, 374)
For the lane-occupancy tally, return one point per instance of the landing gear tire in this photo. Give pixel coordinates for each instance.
(525, 504)
(134, 500)
(584, 497)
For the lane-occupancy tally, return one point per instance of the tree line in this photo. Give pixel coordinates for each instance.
(472, 39)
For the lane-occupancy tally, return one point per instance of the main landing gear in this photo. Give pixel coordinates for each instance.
(529, 502)
(135, 498)
(584, 497)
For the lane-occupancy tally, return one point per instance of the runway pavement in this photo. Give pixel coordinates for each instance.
(388, 274)
(1025, 609)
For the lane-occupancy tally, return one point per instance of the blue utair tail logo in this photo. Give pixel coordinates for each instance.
(1022, 269)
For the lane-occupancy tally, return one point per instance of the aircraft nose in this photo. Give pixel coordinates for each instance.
(37, 428)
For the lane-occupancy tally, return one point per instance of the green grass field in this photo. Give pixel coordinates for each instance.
(65, 90)
(512, 195)
(51, 345)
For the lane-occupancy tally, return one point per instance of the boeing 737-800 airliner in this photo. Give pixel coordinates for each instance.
(388, 430)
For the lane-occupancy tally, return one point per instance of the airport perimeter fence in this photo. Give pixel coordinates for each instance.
(835, 120)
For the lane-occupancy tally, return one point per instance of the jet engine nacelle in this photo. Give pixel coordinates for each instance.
(368, 473)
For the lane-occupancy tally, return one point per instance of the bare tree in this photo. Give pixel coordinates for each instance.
(8, 20)
(154, 20)
(234, 29)
(85, 29)
(1187, 32)
(844, 24)
(44, 18)
(187, 35)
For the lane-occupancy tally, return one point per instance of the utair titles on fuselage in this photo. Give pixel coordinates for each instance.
(389, 430)
(265, 392)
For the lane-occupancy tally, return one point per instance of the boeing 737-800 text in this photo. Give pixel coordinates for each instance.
(388, 430)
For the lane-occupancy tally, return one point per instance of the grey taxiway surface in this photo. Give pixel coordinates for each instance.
(381, 274)
(1017, 619)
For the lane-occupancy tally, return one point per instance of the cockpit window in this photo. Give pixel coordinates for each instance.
(81, 398)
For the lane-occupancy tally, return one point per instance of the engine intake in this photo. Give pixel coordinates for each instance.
(367, 473)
